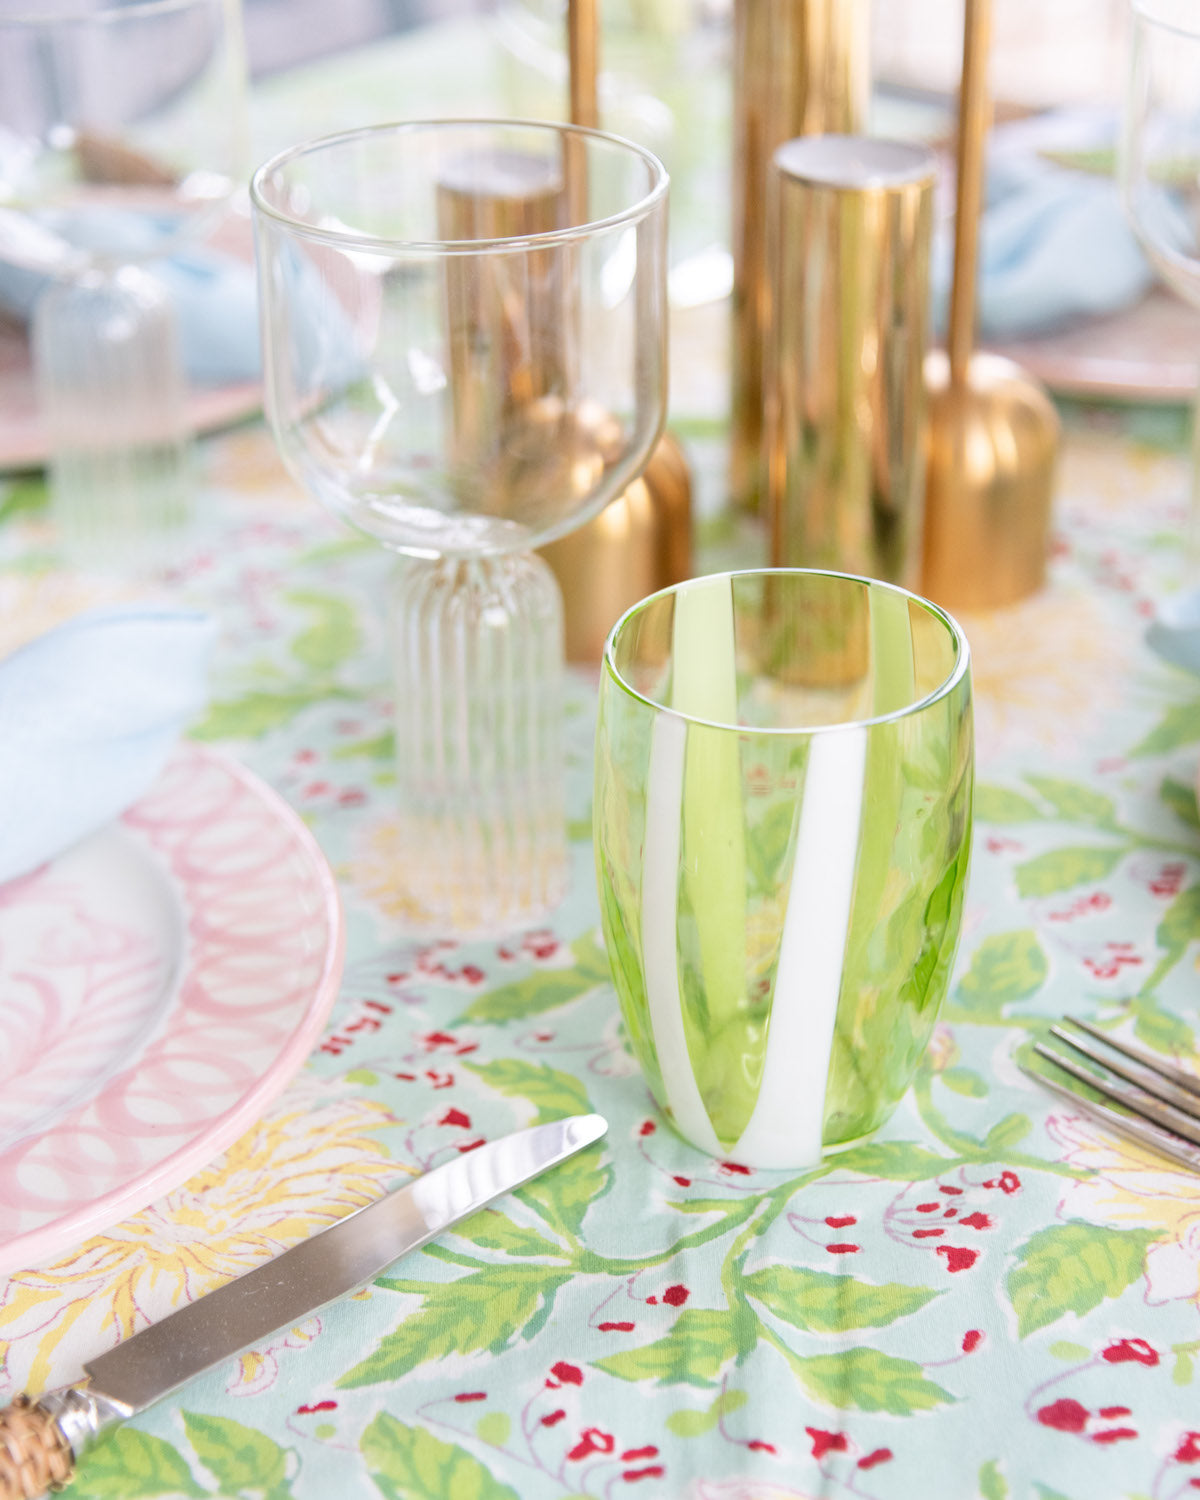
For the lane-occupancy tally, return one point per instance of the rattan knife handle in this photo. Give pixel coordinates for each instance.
(34, 1454)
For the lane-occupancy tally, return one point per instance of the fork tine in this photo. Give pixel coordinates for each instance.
(1178, 1076)
(1164, 1115)
(1147, 1135)
(1141, 1077)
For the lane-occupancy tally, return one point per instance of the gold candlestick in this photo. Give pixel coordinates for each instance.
(993, 432)
(801, 67)
(849, 226)
(641, 542)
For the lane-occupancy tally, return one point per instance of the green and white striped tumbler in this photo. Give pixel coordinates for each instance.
(784, 771)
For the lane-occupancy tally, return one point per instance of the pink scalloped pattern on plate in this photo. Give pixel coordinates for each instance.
(159, 984)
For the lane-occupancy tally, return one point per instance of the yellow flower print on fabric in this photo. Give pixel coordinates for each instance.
(1135, 1187)
(308, 1163)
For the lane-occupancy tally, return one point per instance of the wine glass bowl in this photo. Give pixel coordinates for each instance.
(465, 357)
(1159, 165)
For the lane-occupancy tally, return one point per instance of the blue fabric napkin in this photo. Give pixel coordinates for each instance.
(1054, 244)
(213, 294)
(89, 713)
(1175, 632)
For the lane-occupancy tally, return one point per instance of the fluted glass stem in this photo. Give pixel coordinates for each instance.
(478, 653)
(111, 390)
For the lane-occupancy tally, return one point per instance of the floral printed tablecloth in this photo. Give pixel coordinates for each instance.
(994, 1297)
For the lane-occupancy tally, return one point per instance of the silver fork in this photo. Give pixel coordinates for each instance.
(1166, 1098)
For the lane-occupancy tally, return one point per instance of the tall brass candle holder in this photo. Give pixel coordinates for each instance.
(849, 225)
(800, 67)
(993, 431)
(642, 541)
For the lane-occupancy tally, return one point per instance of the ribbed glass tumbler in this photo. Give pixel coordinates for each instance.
(784, 772)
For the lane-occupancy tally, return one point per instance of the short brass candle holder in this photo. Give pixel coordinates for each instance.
(992, 430)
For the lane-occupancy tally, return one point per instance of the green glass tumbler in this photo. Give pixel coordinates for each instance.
(782, 824)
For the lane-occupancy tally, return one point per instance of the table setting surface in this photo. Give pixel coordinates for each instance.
(991, 1279)
(992, 1286)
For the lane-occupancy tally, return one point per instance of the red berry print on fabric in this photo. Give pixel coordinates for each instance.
(971, 1341)
(1064, 1415)
(592, 1440)
(826, 1442)
(1127, 1351)
(958, 1259)
(880, 1456)
(676, 1296)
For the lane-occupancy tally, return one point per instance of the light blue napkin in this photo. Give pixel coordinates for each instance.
(213, 294)
(1175, 632)
(89, 713)
(1054, 243)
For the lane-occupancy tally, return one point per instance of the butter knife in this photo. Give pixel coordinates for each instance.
(41, 1440)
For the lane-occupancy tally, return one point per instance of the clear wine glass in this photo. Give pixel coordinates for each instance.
(464, 353)
(122, 139)
(1159, 161)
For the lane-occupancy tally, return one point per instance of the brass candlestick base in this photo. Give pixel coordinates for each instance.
(992, 444)
(637, 545)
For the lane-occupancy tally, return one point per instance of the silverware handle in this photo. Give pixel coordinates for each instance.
(40, 1440)
(35, 1455)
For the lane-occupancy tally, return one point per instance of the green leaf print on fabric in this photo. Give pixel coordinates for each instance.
(555, 1093)
(688, 1422)
(1074, 803)
(1185, 1354)
(1061, 869)
(1073, 1268)
(241, 1460)
(992, 1483)
(564, 1195)
(1181, 922)
(258, 713)
(700, 1342)
(1003, 1136)
(1006, 967)
(379, 747)
(130, 1465)
(493, 1230)
(870, 1381)
(1159, 1029)
(996, 804)
(409, 1463)
(1181, 799)
(823, 1302)
(896, 1161)
(964, 1081)
(487, 1309)
(544, 989)
(332, 638)
(1180, 725)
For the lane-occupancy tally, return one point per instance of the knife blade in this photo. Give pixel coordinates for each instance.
(39, 1441)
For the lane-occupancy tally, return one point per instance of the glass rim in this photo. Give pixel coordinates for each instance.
(959, 669)
(1153, 12)
(346, 239)
(71, 11)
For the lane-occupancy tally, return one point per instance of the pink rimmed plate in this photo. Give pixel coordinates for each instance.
(160, 983)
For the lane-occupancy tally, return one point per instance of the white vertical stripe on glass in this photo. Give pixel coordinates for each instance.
(785, 1128)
